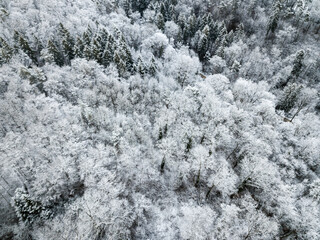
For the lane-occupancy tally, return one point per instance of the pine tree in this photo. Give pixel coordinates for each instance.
(222, 31)
(87, 53)
(221, 41)
(78, 48)
(125, 54)
(104, 37)
(108, 53)
(235, 66)
(6, 51)
(67, 44)
(127, 7)
(87, 40)
(139, 5)
(152, 67)
(289, 98)
(221, 47)
(182, 21)
(86, 37)
(24, 46)
(160, 21)
(203, 43)
(274, 18)
(54, 51)
(97, 49)
(16, 36)
(239, 33)
(296, 69)
(121, 66)
(192, 25)
(297, 64)
(171, 13)
(27, 208)
(140, 67)
(38, 44)
(163, 11)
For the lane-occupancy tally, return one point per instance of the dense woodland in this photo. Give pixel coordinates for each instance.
(160, 119)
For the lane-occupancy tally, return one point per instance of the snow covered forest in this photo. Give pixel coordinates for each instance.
(160, 119)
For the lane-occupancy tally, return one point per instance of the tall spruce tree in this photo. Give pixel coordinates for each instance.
(78, 48)
(56, 53)
(121, 65)
(274, 17)
(152, 67)
(24, 46)
(140, 67)
(67, 44)
(203, 42)
(6, 51)
(97, 48)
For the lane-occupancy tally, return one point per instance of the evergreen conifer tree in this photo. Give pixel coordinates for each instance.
(274, 18)
(127, 7)
(140, 67)
(67, 44)
(97, 49)
(54, 51)
(203, 43)
(24, 46)
(297, 64)
(78, 48)
(160, 21)
(6, 51)
(121, 66)
(152, 67)
(290, 96)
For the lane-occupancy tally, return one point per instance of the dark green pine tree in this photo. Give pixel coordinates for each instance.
(222, 31)
(179, 39)
(221, 41)
(296, 70)
(86, 36)
(274, 18)
(221, 46)
(203, 43)
(239, 33)
(56, 54)
(86, 39)
(139, 5)
(152, 67)
(171, 13)
(297, 64)
(162, 8)
(97, 48)
(192, 25)
(38, 45)
(108, 52)
(140, 67)
(125, 54)
(160, 21)
(87, 53)
(203, 21)
(24, 46)
(107, 56)
(104, 37)
(121, 66)
(16, 36)
(78, 48)
(289, 98)
(67, 44)
(127, 7)
(182, 21)
(6, 51)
